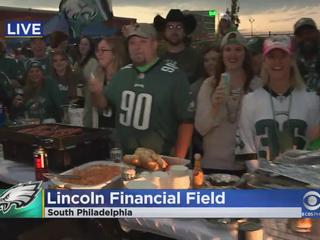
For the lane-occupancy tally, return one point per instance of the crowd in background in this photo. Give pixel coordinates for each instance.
(178, 101)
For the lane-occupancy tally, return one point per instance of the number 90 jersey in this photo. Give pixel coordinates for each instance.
(150, 106)
(271, 124)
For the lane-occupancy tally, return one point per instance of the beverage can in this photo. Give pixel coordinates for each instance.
(226, 81)
(116, 155)
(40, 158)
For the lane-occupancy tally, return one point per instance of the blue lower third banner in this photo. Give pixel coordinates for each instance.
(30, 200)
(182, 203)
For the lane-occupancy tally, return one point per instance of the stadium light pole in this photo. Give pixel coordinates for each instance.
(251, 20)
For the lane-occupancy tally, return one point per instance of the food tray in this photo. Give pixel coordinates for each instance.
(63, 184)
(64, 151)
(52, 141)
(272, 182)
(175, 160)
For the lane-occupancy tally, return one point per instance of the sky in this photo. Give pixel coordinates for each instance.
(268, 15)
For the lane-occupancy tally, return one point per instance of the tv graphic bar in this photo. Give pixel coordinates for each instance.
(28, 200)
(23, 29)
(182, 203)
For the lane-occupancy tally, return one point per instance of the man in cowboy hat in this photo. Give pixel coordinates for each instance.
(175, 29)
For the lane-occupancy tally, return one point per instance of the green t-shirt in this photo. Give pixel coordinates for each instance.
(150, 106)
(189, 61)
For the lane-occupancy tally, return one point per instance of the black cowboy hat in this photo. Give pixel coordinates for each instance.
(175, 15)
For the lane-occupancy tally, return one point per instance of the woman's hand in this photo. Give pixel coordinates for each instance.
(218, 96)
(94, 85)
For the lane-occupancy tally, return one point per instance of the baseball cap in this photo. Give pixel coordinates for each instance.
(233, 38)
(302, 22)
(143, 30)
(255, 45)
(33, 63)
(277, 42)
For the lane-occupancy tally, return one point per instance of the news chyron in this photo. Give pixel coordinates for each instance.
(23, 29)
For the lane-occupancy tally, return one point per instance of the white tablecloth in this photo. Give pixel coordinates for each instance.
(12, 172)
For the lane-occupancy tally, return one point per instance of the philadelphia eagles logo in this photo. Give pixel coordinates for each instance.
(19, 195)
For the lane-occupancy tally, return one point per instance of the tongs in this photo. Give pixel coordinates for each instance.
(54, 175)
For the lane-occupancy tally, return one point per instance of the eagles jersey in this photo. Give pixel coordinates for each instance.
(150, 106)
(270, 124)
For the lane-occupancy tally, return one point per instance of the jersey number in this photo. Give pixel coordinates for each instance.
(136, 110)
(269, 131)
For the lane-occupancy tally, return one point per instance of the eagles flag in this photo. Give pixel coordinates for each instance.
(80, 13)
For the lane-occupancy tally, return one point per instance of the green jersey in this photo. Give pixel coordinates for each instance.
(46, 103)
(150, 106)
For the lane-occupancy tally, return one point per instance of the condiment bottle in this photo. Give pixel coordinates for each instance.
(198, 176)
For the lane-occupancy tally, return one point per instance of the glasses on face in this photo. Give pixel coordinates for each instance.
(172, 26)
(102, 50)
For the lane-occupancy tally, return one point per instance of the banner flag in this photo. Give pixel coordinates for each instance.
(81, 13)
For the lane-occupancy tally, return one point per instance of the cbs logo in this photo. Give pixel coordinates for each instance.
(311, 200)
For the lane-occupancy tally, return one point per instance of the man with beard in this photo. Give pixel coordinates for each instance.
(308, 52)
(175, 29)
(150, 96)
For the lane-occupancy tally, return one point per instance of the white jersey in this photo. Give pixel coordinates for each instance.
(270, 124)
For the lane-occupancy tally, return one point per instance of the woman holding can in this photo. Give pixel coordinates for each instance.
(218, 106)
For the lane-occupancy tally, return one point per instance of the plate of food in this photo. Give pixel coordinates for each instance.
(148, 159)
(221, 179)
(92, 175)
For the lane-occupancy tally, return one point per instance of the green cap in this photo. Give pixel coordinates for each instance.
(302, 22)
(233, 38)
(143, 30)
(255, 45)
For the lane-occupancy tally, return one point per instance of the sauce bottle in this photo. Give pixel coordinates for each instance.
(198, 175)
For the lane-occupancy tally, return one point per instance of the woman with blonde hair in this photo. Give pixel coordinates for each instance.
(282, 114)
(111, 56)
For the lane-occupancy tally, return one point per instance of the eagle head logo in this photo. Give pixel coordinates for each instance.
(19, 196)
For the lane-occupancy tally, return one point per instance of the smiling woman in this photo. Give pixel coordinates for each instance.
(281, 115)
(219, 105)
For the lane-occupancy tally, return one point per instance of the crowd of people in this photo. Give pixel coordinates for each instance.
(235, 100)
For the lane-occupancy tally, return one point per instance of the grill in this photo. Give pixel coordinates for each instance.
(67, 146)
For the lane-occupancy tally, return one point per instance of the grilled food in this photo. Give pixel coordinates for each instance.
(146, 158)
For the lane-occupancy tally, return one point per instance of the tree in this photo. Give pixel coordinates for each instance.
(235, 8)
